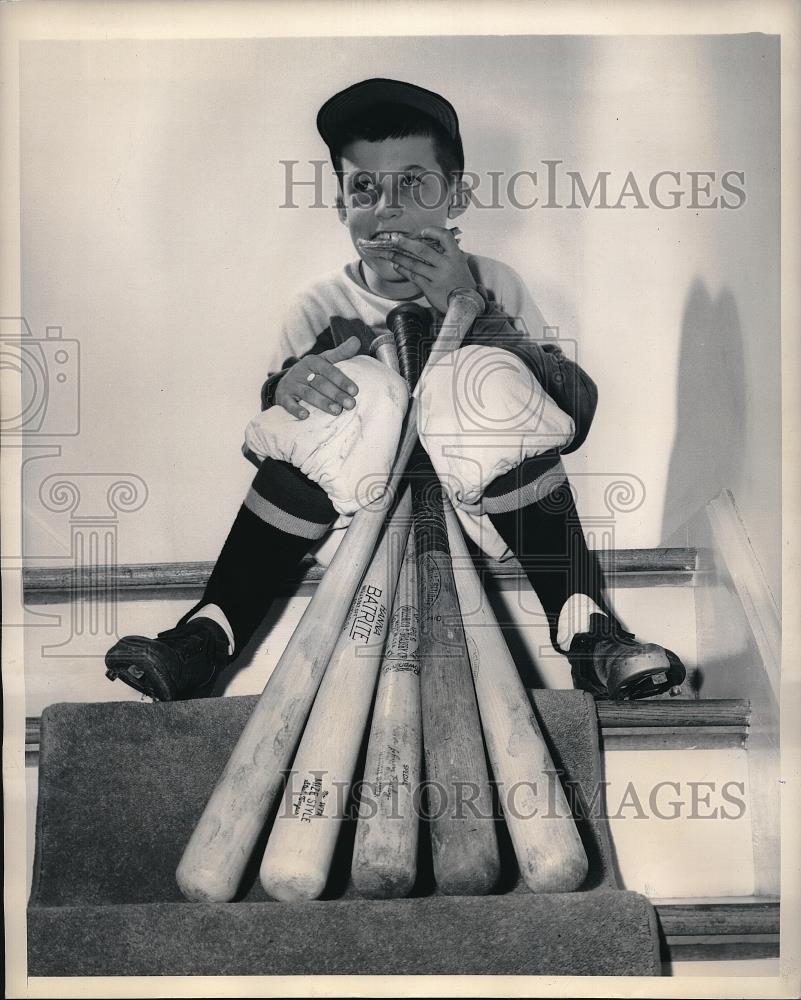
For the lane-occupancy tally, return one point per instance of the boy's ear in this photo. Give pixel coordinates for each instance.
(342, 212)
(459, 200)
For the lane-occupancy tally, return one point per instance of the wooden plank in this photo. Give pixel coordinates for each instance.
(718, 738)
(738, 642)
(675, 713)
(715, 930)
(733, 949)
(668, 731)
(673, 724)
(54, 584)
(660, 560)
(668, 725)
(758, 915)
(759, 605)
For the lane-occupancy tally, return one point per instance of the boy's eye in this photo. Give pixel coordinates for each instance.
(410, 180)
(362, 182)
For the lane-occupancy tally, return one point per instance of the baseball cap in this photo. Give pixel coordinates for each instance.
(341, 108)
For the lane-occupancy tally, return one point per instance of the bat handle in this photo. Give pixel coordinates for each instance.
(384, 350)
(458, 298)
(408, 328)
(464, 305)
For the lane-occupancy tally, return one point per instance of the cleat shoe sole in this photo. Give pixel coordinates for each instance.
(645, 676)
(617, 667)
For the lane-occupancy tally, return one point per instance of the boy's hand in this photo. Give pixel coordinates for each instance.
(329, 390)
(435, 272)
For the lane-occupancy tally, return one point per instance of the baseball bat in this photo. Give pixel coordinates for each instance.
(460, 806)
(546, 842)
(300, 849)
(225, 835)
(384, 862)
(297, 860)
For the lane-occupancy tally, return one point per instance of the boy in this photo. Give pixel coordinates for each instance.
(397, 152)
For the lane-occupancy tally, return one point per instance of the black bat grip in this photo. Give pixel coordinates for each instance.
(410, 325)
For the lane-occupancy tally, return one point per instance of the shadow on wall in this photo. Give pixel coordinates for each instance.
(712, 407)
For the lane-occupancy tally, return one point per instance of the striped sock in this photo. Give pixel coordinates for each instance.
(266, 542)
(537, 518)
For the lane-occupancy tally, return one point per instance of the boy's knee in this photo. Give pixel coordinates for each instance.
(349, 455)
(483, 413)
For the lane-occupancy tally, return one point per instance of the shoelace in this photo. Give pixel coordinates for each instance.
(189, 646)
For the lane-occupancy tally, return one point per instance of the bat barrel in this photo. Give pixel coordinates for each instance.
(546, 842)
(299, 853)
(387, 833)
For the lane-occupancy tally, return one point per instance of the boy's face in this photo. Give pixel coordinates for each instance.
(394, 185)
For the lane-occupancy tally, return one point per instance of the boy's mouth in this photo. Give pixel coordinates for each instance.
(387, 236)
(381, 239)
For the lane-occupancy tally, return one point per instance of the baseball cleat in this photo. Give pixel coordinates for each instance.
(175, 665)
(611, 663)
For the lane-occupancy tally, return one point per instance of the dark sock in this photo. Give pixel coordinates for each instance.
(547, 538)
(266, 542)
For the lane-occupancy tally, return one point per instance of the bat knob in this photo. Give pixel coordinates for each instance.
(382, 340)
(471, 295)
(406, 314)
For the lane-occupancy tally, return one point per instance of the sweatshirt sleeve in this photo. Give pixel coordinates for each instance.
(514, 322)
(303, 331)
(320, 332)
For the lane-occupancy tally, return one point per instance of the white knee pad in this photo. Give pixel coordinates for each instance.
(481, 413)
(350, 454)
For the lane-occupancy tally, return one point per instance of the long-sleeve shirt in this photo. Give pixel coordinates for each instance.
(512, 321)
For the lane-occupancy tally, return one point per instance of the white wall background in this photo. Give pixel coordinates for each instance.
(152, 233)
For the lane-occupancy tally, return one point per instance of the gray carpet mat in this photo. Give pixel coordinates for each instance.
(604, 933)
(121, 786)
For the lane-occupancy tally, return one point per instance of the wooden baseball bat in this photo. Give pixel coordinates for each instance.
(460, 805)
(547, 844)
(300, 850)
(222, 842)
(387, 832)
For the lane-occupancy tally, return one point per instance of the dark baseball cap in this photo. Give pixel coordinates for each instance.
(342, 107)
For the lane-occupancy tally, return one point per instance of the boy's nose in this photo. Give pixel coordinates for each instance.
(388, 205)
